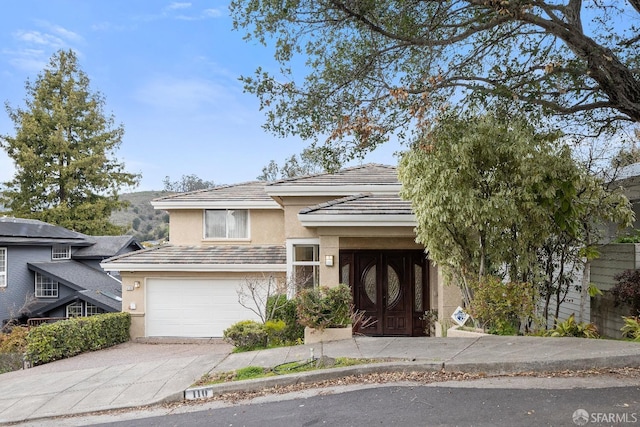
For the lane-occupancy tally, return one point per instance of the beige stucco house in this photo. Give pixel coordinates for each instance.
(348, 227)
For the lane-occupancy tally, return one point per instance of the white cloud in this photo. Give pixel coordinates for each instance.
(36, 37)
(178, 5)
(30, 60)
(212, 13)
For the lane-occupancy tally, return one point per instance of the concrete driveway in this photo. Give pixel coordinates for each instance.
(122, 376)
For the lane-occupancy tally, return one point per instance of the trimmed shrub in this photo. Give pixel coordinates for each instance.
(325, 307)
(282, 308)
(502, 307)
(68, 338)
(275, 331)
(246, 335)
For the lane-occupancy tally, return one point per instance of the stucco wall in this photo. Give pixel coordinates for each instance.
(266, 228)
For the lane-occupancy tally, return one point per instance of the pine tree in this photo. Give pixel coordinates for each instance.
(64, 152)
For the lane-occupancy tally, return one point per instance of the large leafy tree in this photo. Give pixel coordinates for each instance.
(64, 152)
(492, 195)
(310, 161)
(187, 183)
(378, 66)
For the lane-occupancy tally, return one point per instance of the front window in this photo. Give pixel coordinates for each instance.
(61, 252)
(46, 287)
(74, 309)
(226, 224)
(306, 263)
(3, 267)
(92, 310)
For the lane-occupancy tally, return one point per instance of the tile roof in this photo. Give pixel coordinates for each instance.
(170, 255)
(362, 204)
(243, 193)
(369, 174)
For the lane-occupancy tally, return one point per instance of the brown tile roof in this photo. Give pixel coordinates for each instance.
(369, 174)
(203, 255)
(239, 193)
(362, 204)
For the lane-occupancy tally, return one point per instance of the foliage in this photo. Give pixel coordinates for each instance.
(502, 307)
(571, 328)
(64, 153)
(186, 183)
(254, 293)
(68, 338)
(246, 335)
(492, 195)
(375, 68)
(627, 290)
(631, 237)
(275, 332)
(14, 341)
(430, 317)
(631, 328)
(325, 307)
(309, 162)
(285, 309)
(152, 224)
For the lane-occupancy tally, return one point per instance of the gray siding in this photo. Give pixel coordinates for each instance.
(614, 259)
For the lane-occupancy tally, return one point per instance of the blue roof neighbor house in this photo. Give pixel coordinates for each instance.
(50, 271)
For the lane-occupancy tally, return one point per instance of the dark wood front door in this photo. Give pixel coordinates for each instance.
(390, 287)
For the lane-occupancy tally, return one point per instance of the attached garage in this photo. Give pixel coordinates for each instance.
(192, 307)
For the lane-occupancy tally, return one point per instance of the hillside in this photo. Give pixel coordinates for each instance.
(141, 220)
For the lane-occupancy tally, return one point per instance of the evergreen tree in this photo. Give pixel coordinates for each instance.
(64, 152)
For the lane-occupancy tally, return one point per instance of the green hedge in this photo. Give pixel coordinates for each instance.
(68, 338)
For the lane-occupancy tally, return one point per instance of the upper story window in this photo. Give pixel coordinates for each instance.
(3, 267)
(61, 252)
(46, 287)
(226, 224)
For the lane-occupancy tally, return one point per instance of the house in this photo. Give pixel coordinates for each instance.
(347, 227)
(50, 271)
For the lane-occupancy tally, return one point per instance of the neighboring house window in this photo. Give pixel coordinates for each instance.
(306, 262)
(46, 287)
(226, 224)
(74, 309)
(92, 310)
(3, 267)
(61, 252)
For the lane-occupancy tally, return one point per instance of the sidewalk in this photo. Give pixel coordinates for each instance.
(137, 374)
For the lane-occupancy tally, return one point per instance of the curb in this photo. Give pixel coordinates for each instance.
(493, 369)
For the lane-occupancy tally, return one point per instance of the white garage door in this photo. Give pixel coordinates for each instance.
(192, 308)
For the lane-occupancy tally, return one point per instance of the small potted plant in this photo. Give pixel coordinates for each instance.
(325, 313)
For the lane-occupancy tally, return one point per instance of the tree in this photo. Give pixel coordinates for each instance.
(375, 67)
(309, 162)
(186, 183)
(494, 196)
(63, 151)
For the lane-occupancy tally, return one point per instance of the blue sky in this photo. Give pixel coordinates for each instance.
(169, 72)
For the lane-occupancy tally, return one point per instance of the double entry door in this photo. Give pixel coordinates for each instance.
(390, 288)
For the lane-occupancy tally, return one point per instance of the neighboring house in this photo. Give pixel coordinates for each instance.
(348, 227)
(50, 271)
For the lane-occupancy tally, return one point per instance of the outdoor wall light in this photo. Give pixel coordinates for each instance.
(328, 260)
(136, 284)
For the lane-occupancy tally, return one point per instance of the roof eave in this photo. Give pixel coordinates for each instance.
(357, 220)
(332, 190)
(234, 204)
(131, 267)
